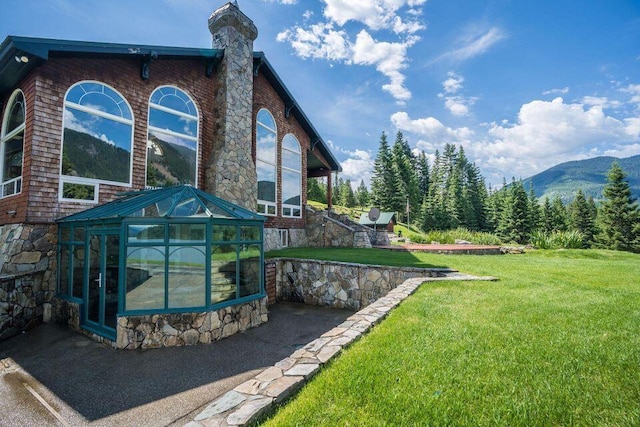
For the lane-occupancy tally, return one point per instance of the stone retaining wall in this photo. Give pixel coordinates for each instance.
(170, 330)
(340, 285)
(27, 275)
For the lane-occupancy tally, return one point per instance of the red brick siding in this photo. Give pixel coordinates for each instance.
(270, 281)
(18, 202)
(45, 91)
(264, 96)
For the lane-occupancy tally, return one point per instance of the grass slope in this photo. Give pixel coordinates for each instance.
(555, 342)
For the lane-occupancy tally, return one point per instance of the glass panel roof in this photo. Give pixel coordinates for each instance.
(181, 201)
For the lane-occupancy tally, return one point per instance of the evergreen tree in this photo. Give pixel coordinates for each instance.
(535, 211)
(620, 215)
(385, 182)
(559, 215)
(547, 216)
(495, 206)
(423, 174)
(514, 224)
(316, 191)
(335, 193)
(405, 165)
(349, 197)
(581, 218)
(362, 195)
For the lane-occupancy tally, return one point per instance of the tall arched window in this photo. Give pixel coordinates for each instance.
(97, 140)
(172, 141)
(291, 177)
(12, 145)
(266, 162)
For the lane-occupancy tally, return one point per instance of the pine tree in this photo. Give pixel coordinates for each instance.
(559, 215)
(405, 164)
(349, 198)
(581, 218)
(514, 224)
(316, 191)
(547, 216)
(620, 215)
(385, 182)
(535, 211)
(362, 195)
(423, 174)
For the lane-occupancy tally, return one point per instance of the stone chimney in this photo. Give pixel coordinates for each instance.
(231, 172)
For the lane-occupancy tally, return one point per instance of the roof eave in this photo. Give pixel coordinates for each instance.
(261, 64)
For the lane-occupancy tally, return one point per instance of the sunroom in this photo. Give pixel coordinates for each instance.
(133, 268)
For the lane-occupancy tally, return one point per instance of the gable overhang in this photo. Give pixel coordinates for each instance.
(262, 65)
(20, 55)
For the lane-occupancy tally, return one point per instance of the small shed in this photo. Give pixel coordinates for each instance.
(386, 221)
(160, 254)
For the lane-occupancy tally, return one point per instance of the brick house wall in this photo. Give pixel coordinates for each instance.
(264, 96)
(45, 92)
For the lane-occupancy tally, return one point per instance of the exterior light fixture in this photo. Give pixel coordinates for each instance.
(22, 59)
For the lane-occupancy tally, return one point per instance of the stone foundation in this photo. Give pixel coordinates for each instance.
(27, 275)
(341, 285)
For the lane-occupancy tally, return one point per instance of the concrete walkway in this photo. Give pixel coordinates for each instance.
(53, 376)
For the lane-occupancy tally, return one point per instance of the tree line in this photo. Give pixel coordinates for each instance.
(450, 192)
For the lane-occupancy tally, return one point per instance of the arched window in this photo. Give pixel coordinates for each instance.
(172, 140)
(97, 141)
(266, 162)
(12, 145)
(291, 177)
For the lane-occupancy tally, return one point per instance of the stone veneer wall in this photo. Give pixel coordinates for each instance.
(170, 330)
(231, 172)
(27, 275)
(340, 285)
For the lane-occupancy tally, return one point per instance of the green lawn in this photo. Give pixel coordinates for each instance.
(556, 341)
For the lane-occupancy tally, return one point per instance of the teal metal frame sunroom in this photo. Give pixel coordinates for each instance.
(169, 250)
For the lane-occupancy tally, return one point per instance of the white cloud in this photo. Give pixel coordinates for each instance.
(544, 134)
(601, 101)
(557, 91)
(318, 41)
(375, 14)
(389, 59)
(431, 129)
(547, 133)
(634, 91)
(475, 43)
(358, 166)
(453, 84)
(457, 105)
(329, 40)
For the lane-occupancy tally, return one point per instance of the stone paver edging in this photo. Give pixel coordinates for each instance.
(252, 399)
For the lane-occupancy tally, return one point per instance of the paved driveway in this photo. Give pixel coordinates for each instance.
(53, 376)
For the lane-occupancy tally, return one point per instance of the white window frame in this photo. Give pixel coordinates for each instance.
(288, 210)
(168, 132)
(265, 207)
(16, 182)
(90, 181)
(283, 235)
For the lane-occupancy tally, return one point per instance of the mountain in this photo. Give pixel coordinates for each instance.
(89, 157)
(565, 179)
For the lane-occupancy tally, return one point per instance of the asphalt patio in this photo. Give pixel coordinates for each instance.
(54, 376)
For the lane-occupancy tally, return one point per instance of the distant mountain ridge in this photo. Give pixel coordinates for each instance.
(590, 175)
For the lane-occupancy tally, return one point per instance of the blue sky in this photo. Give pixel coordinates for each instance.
(521, 85)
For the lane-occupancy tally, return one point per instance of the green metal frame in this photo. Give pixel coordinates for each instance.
(116, 217)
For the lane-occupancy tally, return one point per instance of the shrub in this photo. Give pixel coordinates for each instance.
(450, 236)
(557, 239)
